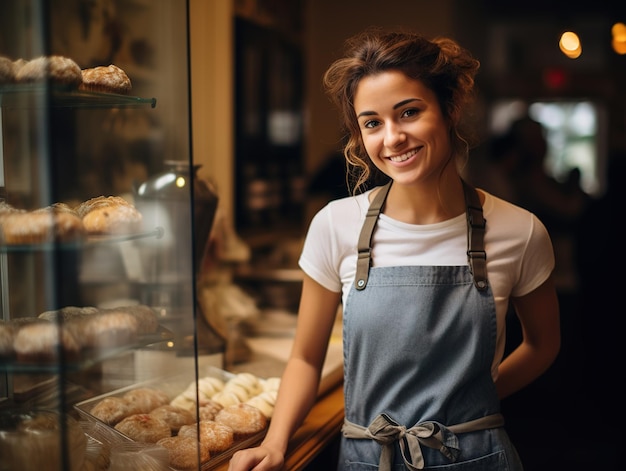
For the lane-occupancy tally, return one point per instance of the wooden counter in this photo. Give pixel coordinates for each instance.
(321, 426)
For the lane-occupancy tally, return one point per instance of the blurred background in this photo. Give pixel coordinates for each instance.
(549, 133)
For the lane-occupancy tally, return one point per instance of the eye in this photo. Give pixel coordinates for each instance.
(371, 123)
(410, 112)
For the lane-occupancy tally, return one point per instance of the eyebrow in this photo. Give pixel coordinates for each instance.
(395, 107)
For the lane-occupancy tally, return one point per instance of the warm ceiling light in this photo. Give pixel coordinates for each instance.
(619, 38)
(619, 46)
(619, 32)
(570, 45)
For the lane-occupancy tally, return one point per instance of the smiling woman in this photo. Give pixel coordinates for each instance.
(424, 268)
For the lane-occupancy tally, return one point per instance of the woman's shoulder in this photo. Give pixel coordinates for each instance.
(502, 208)
(506, 220)
(348, 208)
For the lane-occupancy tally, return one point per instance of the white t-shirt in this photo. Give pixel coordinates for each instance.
(519, 250)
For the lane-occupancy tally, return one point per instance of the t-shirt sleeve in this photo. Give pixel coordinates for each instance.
(319, 258)
(538, 261)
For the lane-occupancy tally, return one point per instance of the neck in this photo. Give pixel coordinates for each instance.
(424, 203)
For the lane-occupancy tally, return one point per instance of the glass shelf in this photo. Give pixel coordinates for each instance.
(88, 357)
(59, 96)
(89, 241)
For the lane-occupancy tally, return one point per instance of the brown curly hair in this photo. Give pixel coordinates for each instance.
(440, 64)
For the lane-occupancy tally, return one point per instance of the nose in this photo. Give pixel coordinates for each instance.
(394, 135)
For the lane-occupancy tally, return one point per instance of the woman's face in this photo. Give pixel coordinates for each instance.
(402, 127)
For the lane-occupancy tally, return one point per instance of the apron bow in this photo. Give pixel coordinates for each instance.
(386, 431)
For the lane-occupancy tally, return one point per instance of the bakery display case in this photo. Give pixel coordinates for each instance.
(103, 226)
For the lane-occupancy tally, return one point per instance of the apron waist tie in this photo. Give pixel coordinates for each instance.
(386, 431)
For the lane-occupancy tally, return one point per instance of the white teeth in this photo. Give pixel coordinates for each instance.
(403, 157)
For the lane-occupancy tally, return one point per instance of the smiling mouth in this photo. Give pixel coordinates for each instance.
(403, 157)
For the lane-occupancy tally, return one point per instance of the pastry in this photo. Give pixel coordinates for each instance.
(244, 419)
(245, 385)
(184, 452)
(107, 329)
(202, 391)
(109, 215)
(226, 398)
(173, 416)
(143, 428)
(147, 321)
(183, 402)
(6, 70)
(43, 341)
(111, 410)
(57, 69)
(106, 79)
(270, 384)
(209, 410)
(7, 333)
(265, 402)
(68, 313)
(207, 388)
(218, 437)
(144, 400)
(40, 226)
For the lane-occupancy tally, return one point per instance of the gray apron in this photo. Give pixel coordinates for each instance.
(419, 343)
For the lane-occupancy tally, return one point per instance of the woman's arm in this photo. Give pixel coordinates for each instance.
(300, 380)
(538, 313)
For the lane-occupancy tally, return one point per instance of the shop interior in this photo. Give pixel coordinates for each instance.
(265, 145)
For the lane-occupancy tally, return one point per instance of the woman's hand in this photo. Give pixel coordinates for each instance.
(260, 458)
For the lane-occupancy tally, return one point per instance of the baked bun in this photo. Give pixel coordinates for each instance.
(227, 398)
(7, 334)
(218, 437)
(109, 215)
(147, 321)
(173, 416)
(107, 329)
(43, 341)
(202, 391)
(246, 384)
(143, 428)
(42, 225)
(106, 79)
(57, 69)
(111, 410)
(265, 402)
(209, 410)
(270, 384)
(144, 400)
(244, 419)
(68, 313)
(184, 451)
(7, 75)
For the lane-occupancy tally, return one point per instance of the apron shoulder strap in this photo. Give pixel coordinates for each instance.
(365, 238)
(476, 255)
